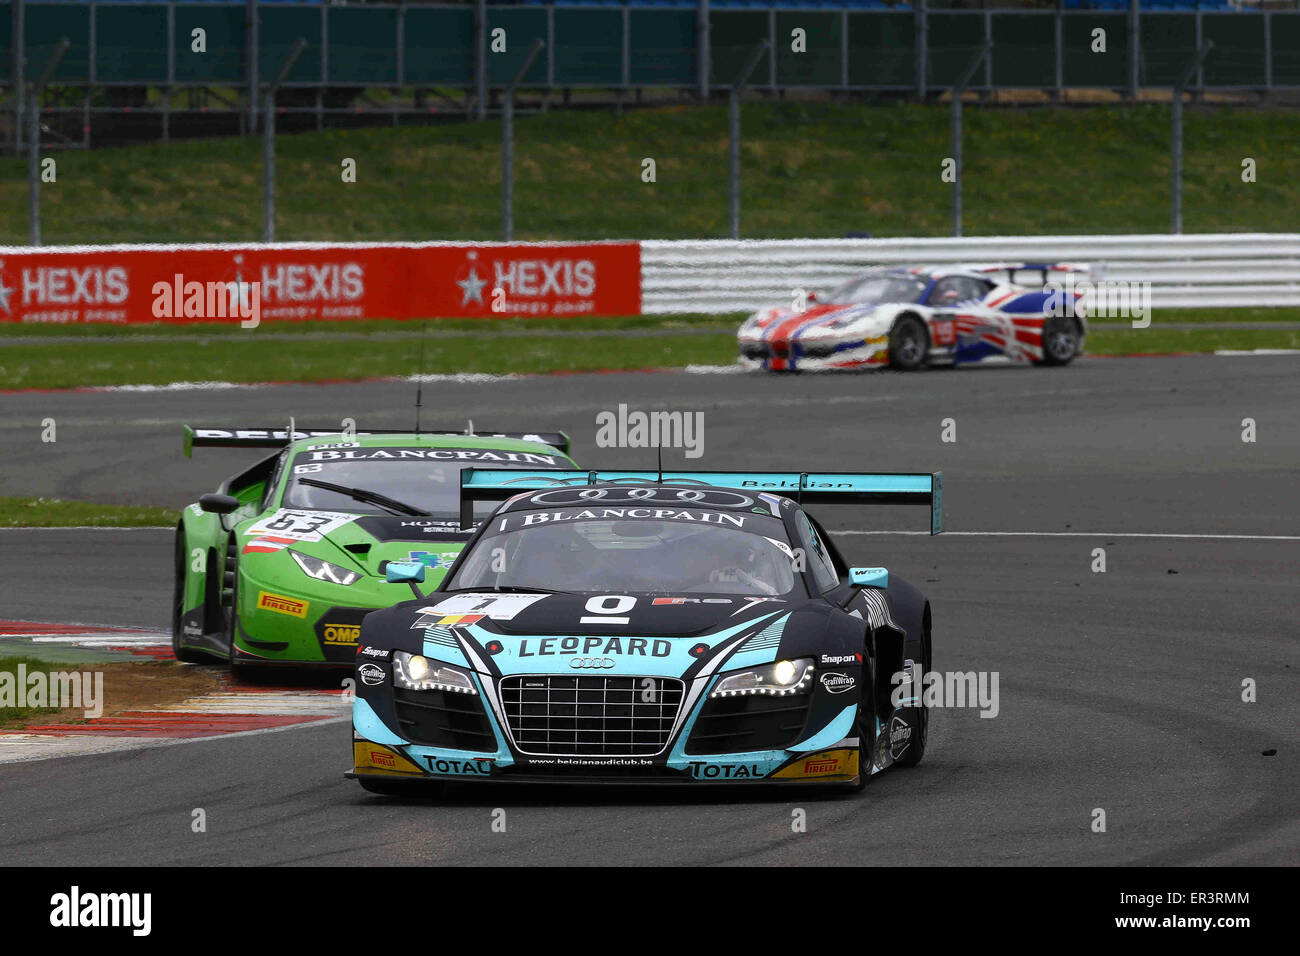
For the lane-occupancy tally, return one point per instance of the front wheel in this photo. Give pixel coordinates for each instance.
(1060, 340)
(920, 717)
(908, 344)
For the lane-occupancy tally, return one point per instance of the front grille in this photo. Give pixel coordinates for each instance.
(729, 725)
(438, 718)
(591, 716)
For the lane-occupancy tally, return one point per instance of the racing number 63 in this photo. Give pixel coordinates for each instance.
(601, 612)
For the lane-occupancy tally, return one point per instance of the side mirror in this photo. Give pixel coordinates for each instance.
(869, 577)
(218, 504)
(401, 572)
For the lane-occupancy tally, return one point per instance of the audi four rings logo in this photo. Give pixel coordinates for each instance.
(615, 494)
(592, 662)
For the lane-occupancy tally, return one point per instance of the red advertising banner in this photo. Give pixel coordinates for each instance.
(313, 281)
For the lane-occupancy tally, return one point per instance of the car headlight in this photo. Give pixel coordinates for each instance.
(780, 678)
(322, 570)
(417, 672)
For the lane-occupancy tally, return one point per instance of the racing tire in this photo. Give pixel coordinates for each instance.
(908, 344)
(401, 788)
(1061, 335)
(178, 605)
(921, 725)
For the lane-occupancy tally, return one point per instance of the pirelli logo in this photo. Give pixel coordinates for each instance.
(821, 765)
(280, 604)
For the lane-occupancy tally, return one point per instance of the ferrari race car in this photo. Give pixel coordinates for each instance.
(281, 564)
(628, 627)
(907, 318)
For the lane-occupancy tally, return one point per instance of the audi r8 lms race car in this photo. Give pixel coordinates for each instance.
(908, 318)
(627, 626)
(280, 564)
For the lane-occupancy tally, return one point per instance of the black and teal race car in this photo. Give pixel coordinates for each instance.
(280, 565)
(642, 627)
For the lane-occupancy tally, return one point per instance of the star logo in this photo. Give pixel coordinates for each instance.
(471, 288)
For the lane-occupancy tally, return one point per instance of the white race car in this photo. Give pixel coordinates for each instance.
(909, 318)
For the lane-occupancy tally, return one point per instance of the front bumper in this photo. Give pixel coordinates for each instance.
(822, 353)
(827, 754)
(838, 765)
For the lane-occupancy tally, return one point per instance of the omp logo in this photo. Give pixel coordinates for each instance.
(592, 662)
(280, 604)
(342, 633)
(76, 909)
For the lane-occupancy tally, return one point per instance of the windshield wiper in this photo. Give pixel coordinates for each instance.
(369, 497)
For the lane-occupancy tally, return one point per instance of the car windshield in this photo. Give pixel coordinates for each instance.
(704, 553)
(879, 287)
(412, 476)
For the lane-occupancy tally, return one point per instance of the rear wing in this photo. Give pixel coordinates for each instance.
(1047, 271)
(244, 437)
(827, 487)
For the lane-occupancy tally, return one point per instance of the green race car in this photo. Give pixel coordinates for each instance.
(280, 565)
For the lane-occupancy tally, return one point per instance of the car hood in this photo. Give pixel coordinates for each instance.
(786, 323)
(364, 542)
(542, 615)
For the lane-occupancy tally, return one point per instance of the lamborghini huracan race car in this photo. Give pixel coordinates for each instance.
(907, 318)
(281, 564)
(633, 627)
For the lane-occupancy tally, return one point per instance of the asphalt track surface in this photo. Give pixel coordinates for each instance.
(1119, 690)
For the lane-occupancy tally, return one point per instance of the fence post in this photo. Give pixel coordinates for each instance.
(18, 51)
(1134, 41)
(508, 143)
(703, 51)
(733, 130)
(1176, 110)
(268, 140)
(956, 94)
(480, 60)
(254, 62)
(34, 141)
(922, 47)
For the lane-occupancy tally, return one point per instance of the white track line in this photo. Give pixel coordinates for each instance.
(89, 527)
(10, 749)
(1087, 534)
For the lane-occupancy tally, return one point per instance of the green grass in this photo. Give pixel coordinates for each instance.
(56, 513)
(118, 357)
(17, 717)
(389, 327)
(809, 169)
(1155, 339)
(246, 359)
